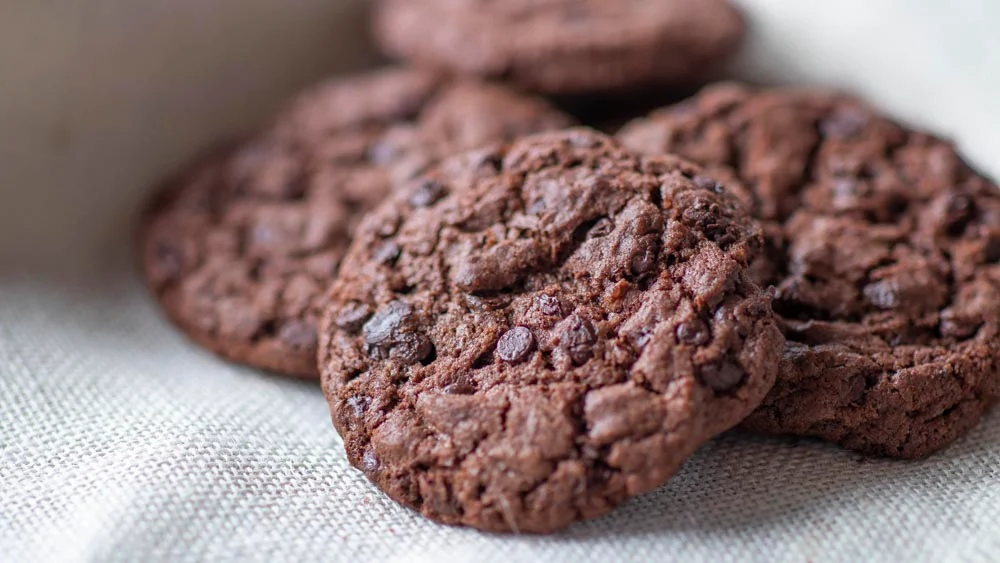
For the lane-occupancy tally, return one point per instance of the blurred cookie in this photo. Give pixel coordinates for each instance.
(529, 336)
(883, 247)
(565, 46)
(240, 248)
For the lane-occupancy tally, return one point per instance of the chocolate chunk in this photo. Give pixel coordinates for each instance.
(427, 192)
(722, 377)
(644, 260)
(695, 332)
(353, 316)
(516, 344)
(577, 336)
(387, 253)
(844, 122)
(461, 386)
(359, 405)
(394, 331)
(369, 462)
(549, 305)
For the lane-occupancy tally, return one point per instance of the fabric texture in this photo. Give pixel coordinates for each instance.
(122, 441)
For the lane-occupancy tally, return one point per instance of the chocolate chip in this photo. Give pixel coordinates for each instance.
(957, 326)
(707, 216)
(387, 253)
(515, 345)
(844, 123)
(382, 327)
(353, 316)
(722, 235)
(298, 334)
(961, 209)
(549, 305)
(489, 159)
(577, 337)
(645, 259)
(722, 377)
(384, 152)
(392, 332)
(415, 348)
(641, 338)
(428, 192)
(701, 213)
(461, 386)
(706, 183)
(370, 462)
(359, 404)
(388, 226)
(537, 206)
(601, 228)
(694, 332)
(882, 294)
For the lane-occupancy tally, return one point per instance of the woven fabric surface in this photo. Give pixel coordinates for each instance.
(122, 441)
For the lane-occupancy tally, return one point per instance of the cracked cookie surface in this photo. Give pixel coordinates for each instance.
(530, 335)
(883, 246)
(240, 248)
(565, 46)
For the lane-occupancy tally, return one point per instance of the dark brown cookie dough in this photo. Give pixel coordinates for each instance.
(529, 336)
(565, 46)
(240, 249)
(883, 246)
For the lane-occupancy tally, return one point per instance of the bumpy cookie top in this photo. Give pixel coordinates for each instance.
(240, 248)
(565, 46)
(530, 335)
(884, 249)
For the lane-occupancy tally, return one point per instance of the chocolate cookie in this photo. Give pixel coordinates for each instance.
(565, 46)
(240, 249)
(529, 336)
(883, 248)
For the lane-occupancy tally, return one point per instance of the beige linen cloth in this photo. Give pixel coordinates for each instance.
(121, 441)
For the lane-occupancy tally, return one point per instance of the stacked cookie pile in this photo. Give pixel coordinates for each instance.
(520, 322)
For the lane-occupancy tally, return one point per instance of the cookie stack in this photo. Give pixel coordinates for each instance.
(520, 322)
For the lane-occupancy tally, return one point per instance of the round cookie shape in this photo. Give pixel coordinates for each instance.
(553, 332)
(239, 249)
(565, 46)
(883, 246)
